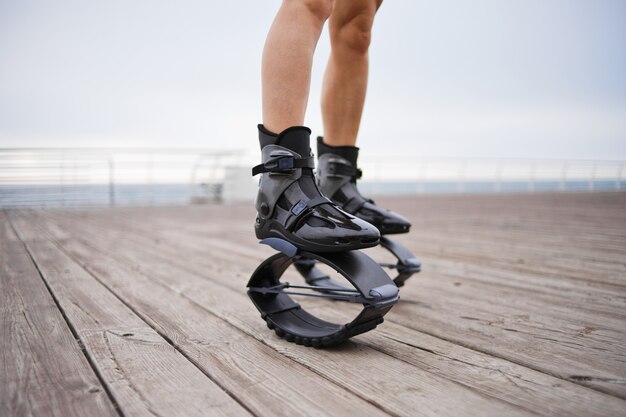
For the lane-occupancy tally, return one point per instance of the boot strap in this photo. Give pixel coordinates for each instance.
(303, 208)
(283, 164)
(337, 168)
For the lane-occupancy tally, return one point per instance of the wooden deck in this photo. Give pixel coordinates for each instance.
(519, 310)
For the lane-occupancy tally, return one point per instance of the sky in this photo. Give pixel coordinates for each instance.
(486, 78)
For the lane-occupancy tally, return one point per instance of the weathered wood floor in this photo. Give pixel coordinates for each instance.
(519, 310)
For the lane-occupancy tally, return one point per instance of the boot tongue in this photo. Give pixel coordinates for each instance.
(351, 153)
(297, 139)
(266, 137)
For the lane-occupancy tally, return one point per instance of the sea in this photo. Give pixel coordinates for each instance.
(81, 195)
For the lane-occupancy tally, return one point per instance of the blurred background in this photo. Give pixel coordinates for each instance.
(155, 102)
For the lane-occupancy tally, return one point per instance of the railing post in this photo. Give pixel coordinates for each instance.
(423, 176)
(531, 182)
(563, 175)
(592, 179)
(62, 176)
(150, 177)
(192, 178)
(498, 184)
(111, 182)
(460, 185)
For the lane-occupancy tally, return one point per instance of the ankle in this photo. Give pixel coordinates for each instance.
(348, 152)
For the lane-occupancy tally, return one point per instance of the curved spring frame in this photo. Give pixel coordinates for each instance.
(372, 288)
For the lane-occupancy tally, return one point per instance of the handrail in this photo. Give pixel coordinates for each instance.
(87, 176)
(121, 176)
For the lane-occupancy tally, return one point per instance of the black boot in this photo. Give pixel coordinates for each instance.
(337, 174)
(289, 204)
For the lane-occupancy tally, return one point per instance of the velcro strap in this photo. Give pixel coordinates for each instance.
(314, 202)
(303, 206)
(337, 168)
(354, 204)
(283, 164)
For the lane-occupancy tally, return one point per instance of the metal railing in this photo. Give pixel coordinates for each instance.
(463, 175)
(88, 177)
(74, 176)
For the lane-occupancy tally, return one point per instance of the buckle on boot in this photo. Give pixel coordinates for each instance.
(285, 163)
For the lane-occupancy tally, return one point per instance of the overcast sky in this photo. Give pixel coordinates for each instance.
(480, 78)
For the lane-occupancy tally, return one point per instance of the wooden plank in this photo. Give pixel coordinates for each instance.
(493, 376)
(608, 304)
(595, 295)
(205, 265)
(595, 357)
(43, 371)
(141, 369)
(505, 277)
(258, 376)
(502, 278)
(395, 386)
(566, 347)
(510, 257)
(551, 230)
(564, 266)
(605, 302)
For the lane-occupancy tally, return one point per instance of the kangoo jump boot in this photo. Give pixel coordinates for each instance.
(290, 206)
(337, 174)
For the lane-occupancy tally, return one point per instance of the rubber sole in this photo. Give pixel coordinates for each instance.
(320, 342)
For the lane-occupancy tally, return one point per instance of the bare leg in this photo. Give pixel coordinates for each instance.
(287, 61)
(345, 81)
(343, 96)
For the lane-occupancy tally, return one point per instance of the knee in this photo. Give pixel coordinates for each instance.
(353, 32)
(319, 9)
(355, 35)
